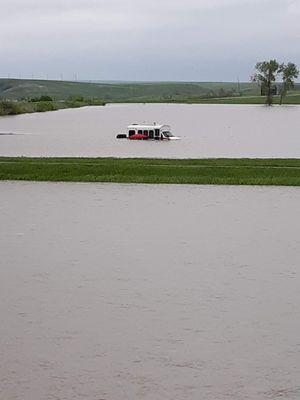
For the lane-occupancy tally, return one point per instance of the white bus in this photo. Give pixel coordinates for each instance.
(148, 132)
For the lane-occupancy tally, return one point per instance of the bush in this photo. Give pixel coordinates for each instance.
(41, 98)
(75, 99)
(11, 107)
(96, 102)
(43, 106)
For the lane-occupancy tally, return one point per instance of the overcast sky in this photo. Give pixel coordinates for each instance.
(187, 40)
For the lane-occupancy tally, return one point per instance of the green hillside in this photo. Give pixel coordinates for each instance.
(186, 92)
(16, 89)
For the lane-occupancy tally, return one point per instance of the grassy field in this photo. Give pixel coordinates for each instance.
(142, 170)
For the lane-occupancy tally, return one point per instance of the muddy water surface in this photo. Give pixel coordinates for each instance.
(206, 131)
(149, 292)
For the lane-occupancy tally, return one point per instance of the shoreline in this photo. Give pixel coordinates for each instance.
(21, 107)
(12, 108)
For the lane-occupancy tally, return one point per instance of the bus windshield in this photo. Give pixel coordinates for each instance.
(167, 134)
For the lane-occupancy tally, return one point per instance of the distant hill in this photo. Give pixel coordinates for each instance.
(17, 89)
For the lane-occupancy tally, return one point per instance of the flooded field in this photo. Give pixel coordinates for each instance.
(206, 131)
(148, 292)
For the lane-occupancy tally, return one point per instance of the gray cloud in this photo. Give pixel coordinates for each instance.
(142, 40)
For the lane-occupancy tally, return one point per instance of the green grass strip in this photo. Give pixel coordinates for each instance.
(219, 171)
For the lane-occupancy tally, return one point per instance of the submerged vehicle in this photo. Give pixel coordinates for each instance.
(148, 132)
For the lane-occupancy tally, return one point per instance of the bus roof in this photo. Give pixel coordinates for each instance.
(148, 126)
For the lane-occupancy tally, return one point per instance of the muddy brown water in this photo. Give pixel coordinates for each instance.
(206, 131)
(149, 292)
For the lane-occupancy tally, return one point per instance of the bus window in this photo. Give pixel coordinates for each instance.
(131, 133)
(146, 133)
(140, 132)
(151, 134)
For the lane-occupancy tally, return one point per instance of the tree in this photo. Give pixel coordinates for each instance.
(265, 75)
(289, 72)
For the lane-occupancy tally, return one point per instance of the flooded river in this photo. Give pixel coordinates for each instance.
(206, 131)
(147, 292)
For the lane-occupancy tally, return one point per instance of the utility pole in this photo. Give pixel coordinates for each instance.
(239, 86)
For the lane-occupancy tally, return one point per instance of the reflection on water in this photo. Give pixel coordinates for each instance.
(149, 292)
(206, 131)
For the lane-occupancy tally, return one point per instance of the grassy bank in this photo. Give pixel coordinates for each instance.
(9, 107)
(292, 99)
(143, 170)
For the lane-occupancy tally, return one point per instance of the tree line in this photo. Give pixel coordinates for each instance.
(266, 73)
